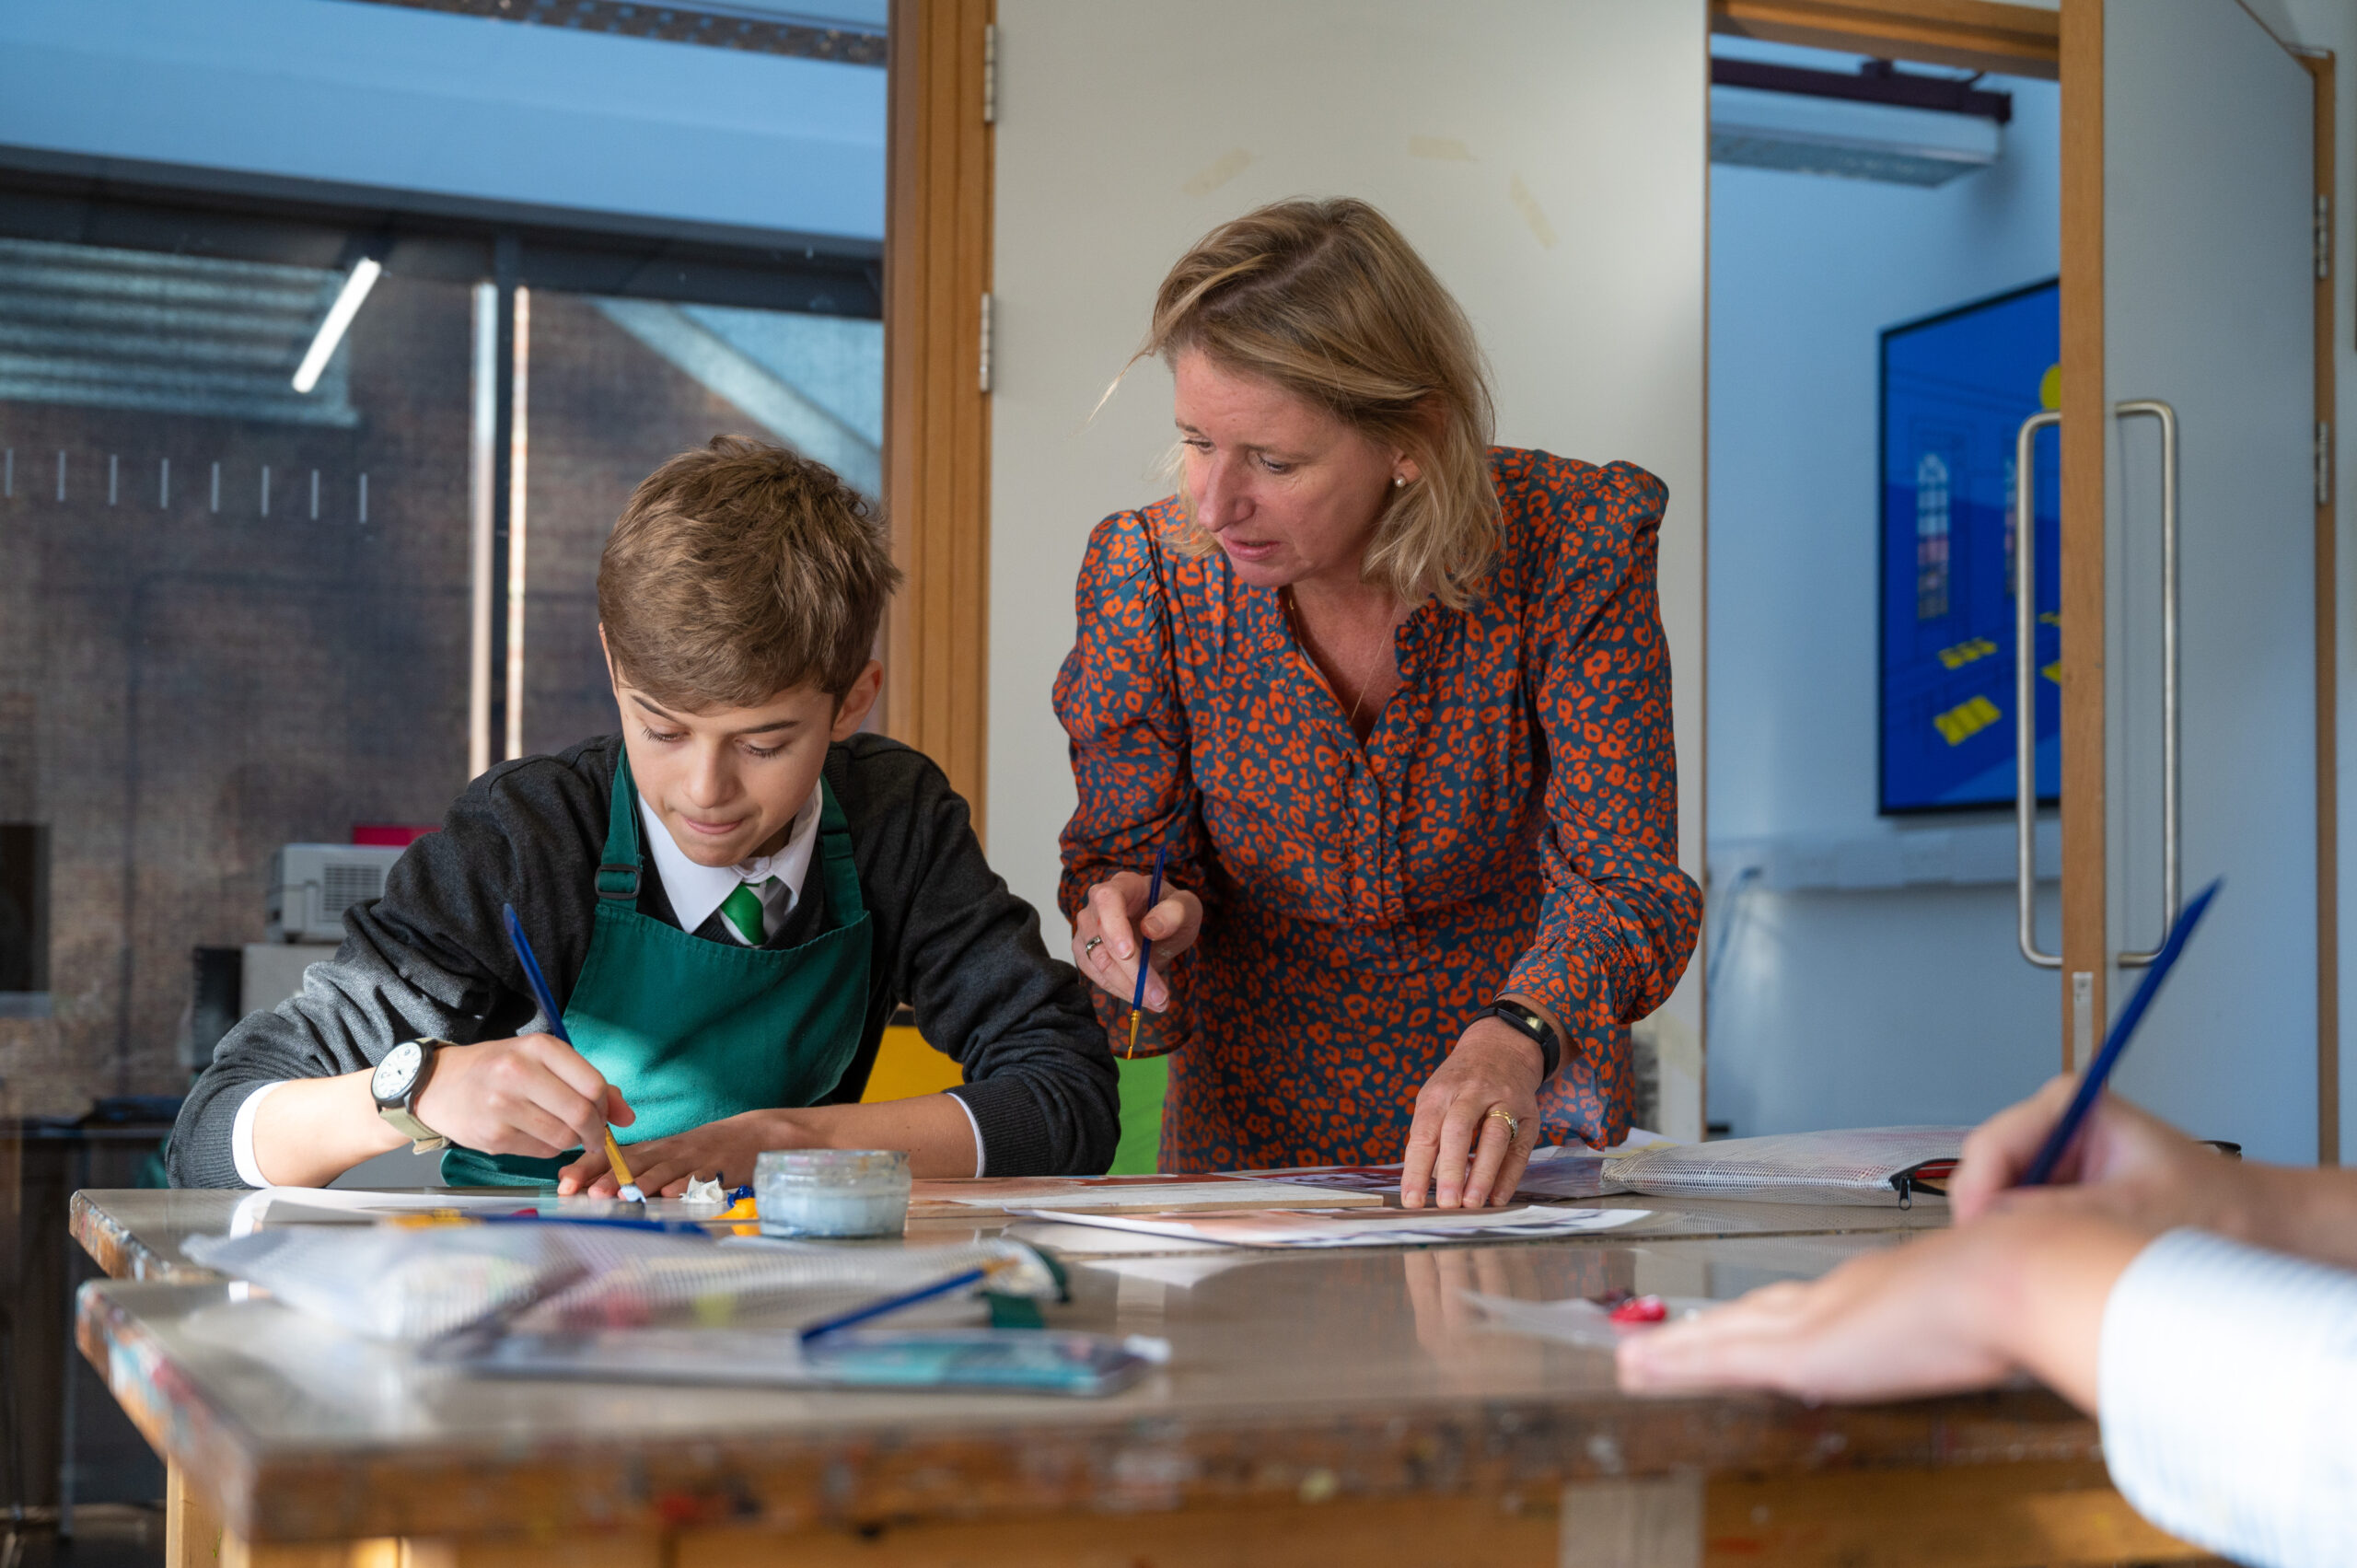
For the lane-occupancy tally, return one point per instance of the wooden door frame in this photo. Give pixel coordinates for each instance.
(2319, 66)
(937, 245)
(2018, 40)
(2086, 421)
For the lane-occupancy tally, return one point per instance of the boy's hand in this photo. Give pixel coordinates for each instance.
(722, 1151)
(1115, 912)
(533, 1094)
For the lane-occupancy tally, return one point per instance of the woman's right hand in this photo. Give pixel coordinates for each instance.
(1105, 937)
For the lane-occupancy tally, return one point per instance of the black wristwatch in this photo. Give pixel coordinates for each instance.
(1541, 1033)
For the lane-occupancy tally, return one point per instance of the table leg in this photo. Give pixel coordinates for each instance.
(191, 1532)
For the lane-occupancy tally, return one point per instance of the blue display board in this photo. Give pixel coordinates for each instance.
(1955, 388)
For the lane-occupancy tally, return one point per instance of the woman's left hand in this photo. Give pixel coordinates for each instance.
(1493, 1068)
(723, 1150)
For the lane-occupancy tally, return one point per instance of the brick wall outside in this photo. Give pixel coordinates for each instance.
(183, 689)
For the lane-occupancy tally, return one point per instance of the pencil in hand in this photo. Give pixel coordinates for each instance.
(1145, 946)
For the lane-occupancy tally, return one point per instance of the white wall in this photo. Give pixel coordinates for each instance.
(1845, 1008)
(1545, 156)
(460, 107)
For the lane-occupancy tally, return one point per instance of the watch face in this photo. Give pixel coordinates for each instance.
(397, 1072)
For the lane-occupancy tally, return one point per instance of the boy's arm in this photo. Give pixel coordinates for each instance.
(375, 992)
(965, 953)
(428, 960)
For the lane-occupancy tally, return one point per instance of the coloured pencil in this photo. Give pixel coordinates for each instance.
(2115, 1042)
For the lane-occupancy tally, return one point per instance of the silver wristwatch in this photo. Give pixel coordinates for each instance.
(399, 1078)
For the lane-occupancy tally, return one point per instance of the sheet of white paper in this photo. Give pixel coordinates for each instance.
(1184, 1272)
(252, 1208)
(1096, 1241)
(1391, 1227)
(1173, 1194)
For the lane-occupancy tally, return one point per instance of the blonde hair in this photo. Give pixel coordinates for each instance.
(1327, 301)
(739, 571)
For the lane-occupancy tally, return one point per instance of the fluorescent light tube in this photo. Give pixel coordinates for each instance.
(340, 315)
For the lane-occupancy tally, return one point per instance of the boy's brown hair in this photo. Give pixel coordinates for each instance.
(739, 570)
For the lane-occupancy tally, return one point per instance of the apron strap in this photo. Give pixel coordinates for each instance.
(618, 871)
(835, 862)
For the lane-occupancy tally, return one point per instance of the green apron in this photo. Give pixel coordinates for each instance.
(692, 1030)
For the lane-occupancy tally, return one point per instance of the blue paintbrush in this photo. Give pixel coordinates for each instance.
(2041, 1170)
(547, 1000)
(1145, 945)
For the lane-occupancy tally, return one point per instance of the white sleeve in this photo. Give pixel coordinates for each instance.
(2227, 1386)
(241, 1137)
(982, 1156)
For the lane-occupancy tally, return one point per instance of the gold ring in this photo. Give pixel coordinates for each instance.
(1499, 1112)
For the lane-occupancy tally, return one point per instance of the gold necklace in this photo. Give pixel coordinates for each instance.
(1384, 646)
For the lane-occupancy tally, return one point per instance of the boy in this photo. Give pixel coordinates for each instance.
(728, 899)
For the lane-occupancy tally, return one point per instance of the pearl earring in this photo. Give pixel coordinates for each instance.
(1397, 480)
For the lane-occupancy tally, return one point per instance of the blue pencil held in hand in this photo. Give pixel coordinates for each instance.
(2041, 1170)
(1145, 946)
(555, 1016)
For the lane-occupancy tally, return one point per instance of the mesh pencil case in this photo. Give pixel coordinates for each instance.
(769, 1283)
(401, 1284)
(1868, 1166)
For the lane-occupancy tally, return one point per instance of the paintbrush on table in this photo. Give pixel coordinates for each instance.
(1145, 946)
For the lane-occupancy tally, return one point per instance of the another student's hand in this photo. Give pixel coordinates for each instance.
(1116, 912)
(1962, 1309)
(722, 1151)
(1493, 1067)
(533, 1094)
(2125, 1162)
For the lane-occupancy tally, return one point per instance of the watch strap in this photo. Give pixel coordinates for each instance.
(423, 1140)
(1541, 1033)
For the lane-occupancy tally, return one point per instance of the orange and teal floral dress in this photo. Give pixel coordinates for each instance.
(1509, 824)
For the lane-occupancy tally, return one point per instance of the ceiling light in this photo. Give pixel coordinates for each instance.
(340, 315)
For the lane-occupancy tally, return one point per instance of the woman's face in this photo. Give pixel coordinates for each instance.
(1290, 492)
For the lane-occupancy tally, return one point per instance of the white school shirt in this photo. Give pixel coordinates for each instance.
(2227, 1388)
(694, 891)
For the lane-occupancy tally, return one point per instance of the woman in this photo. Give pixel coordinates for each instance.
(1397, 705)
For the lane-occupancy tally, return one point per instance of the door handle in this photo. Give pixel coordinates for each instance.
(2025, 689)
(2171, 756)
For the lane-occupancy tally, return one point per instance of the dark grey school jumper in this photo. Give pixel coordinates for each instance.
(430, 958)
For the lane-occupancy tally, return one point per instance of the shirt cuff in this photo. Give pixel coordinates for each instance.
(2224, 1378)
(241, 1136)
(982, 1156)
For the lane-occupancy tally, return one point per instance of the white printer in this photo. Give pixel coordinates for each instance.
(312, 885)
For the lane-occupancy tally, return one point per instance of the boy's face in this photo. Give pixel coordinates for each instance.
(728, 782)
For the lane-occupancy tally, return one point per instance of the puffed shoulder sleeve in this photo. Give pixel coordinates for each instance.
(1618, 918)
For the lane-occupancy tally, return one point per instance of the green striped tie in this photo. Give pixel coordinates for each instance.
(742, 910)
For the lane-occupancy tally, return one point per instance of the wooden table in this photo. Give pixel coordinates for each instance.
(1323, 1407)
